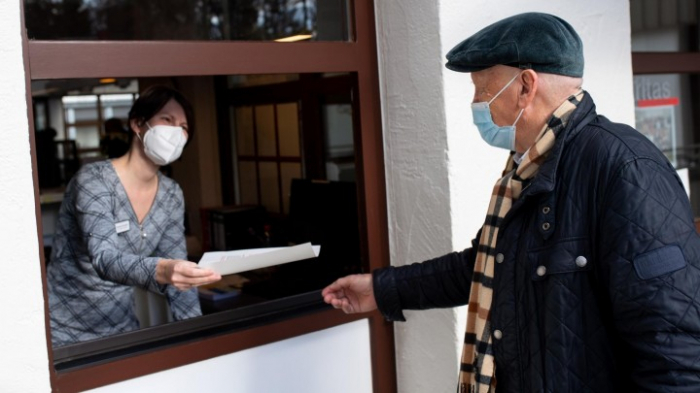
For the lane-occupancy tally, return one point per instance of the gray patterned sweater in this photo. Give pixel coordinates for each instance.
(100, 252)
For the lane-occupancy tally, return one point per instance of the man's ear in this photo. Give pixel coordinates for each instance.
(529, 81)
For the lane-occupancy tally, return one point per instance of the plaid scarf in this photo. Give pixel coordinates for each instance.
(477, 374)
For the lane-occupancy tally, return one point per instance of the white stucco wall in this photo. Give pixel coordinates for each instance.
(416, 159)
(331, 360)
(439, 172)
(23, 350)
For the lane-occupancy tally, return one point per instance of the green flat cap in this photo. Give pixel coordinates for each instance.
(542, 42)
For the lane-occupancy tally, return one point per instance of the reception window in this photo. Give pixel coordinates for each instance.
(287, 150)
(266, 142)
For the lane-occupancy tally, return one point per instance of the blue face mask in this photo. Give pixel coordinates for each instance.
(493, 134)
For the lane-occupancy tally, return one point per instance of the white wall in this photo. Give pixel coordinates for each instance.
(429, 135)
(333, 360)
(23, 348)
(418, 187)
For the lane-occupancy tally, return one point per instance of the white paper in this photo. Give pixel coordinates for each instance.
(231, 262)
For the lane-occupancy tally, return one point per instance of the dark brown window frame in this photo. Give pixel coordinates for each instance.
(77, 59)
(665, 62)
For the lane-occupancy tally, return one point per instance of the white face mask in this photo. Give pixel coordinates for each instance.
(163, 144)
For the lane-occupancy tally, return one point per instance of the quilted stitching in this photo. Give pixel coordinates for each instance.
(600, 329)
(559, 339)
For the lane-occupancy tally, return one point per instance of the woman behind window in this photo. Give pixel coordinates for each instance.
(121, 225)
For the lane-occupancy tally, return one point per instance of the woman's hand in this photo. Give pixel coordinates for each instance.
(352, 294)
(183, 275)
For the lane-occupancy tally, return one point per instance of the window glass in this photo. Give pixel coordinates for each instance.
(266, 130)
(116, 105)
(269, 186)
(248, 183)
(338, 130)
(245, 131)
(246, 20)
(86, 136)
(288, 126)
(660, 116)
(664, 25)
(276, 202)
(290, 171)
(666, 112)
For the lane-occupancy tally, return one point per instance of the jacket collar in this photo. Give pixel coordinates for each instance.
(544, 181)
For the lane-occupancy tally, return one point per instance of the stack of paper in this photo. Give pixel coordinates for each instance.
(230, 262)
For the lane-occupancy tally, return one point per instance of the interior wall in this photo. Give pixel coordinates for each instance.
(24, 359)
(198, 171)
(439, 171)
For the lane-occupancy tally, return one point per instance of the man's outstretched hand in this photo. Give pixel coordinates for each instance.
(352, 294)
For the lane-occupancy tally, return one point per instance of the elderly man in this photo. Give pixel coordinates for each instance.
(585, 276)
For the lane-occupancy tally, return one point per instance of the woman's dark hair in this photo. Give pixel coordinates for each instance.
(152, 100)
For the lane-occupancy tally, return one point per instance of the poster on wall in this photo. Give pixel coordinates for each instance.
(656, 120)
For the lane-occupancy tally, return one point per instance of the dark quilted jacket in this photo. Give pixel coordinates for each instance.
(599, 285)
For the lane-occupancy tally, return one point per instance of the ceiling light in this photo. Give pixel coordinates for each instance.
(295, 38)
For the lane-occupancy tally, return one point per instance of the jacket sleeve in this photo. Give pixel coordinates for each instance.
(650, 264)
(441, 282)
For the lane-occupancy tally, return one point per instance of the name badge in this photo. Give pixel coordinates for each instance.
(122, 226)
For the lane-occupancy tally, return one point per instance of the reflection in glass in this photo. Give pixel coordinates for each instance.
(338, 131)
(269, 187)
(290, 171)
(287, 118)
(249, 20)
(245, 131)
(266, 130)
(85, 136)
(664, 113)
(248, 183)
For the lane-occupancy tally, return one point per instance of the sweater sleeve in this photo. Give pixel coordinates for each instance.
(96, 221)
(172, 245)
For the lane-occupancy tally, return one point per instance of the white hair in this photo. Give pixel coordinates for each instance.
(558, 87)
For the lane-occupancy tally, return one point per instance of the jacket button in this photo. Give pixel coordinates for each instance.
(541, 271)
(497, 334)
(581, 261)
(500, 258)
(545, 226)
(546, 210)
